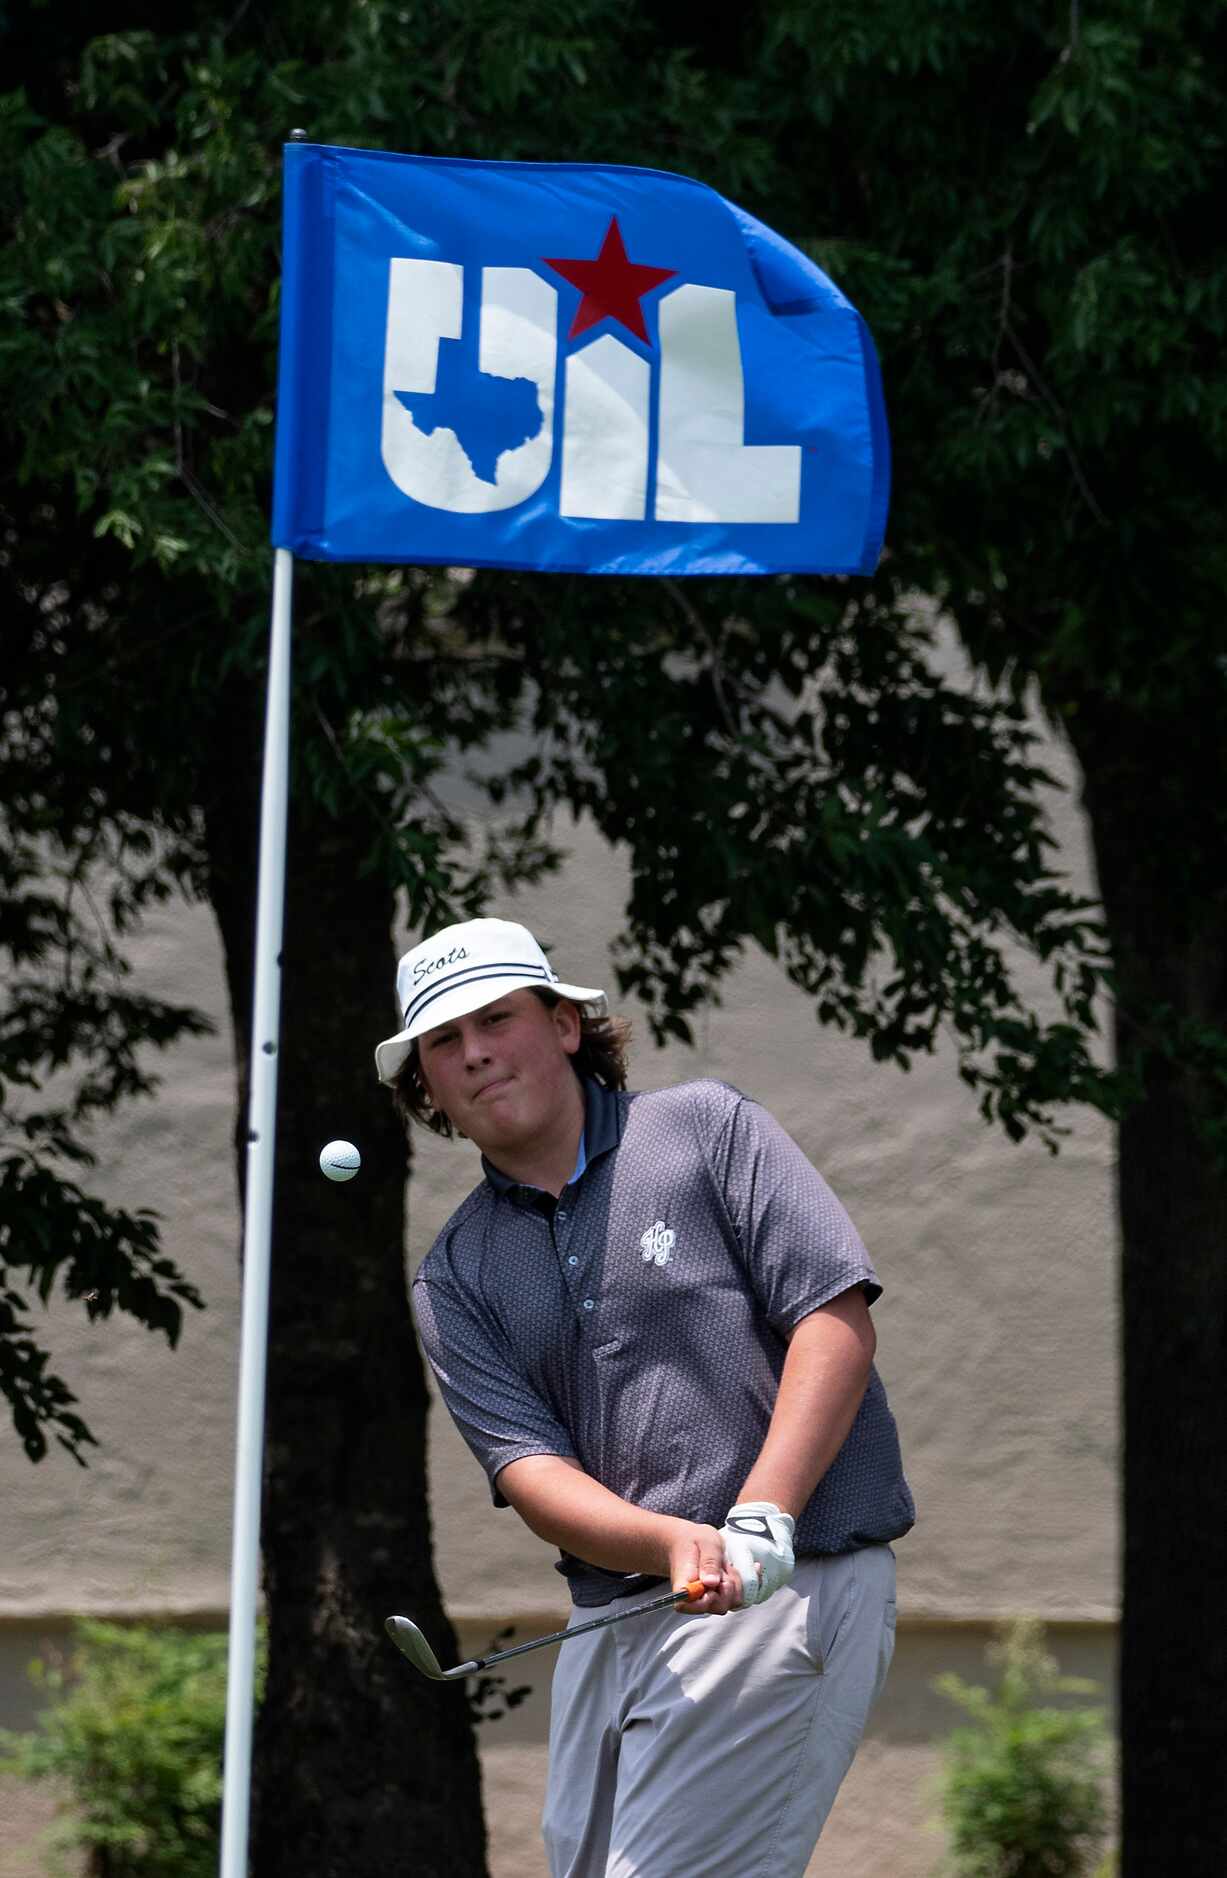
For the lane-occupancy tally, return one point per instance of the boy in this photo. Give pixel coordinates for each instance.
(650, 1322)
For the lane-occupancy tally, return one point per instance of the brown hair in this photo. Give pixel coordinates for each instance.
(602, 1052)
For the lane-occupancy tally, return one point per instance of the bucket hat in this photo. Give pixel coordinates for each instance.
(458, 970)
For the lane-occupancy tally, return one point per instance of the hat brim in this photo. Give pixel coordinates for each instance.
(390, 1055)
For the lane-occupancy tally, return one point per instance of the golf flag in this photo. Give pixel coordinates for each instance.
(559, 366)
(567, 367)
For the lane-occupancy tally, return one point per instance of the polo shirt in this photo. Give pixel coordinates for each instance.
(639, 1324)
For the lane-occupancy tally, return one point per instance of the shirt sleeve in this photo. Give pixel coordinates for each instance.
(497, 1411)
(801, 1248)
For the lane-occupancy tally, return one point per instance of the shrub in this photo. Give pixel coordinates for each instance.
(1023, 1786)
(134, 1731)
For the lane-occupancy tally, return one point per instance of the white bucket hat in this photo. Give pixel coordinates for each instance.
(458, 970)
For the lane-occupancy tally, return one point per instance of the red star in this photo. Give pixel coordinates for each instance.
(612, 286)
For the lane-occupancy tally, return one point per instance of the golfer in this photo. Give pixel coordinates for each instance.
(650, 1322)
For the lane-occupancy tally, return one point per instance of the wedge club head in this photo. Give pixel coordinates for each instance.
(411, 1643)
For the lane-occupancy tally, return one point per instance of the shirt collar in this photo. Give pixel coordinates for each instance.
(602, 1131)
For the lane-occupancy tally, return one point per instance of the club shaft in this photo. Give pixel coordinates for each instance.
(577, 1630)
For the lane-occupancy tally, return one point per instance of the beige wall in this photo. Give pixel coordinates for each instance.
(996, 1343)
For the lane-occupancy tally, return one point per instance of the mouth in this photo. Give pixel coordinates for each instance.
(492, 1087)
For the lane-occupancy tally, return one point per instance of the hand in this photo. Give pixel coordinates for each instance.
(697, 1551)
(757, 1541)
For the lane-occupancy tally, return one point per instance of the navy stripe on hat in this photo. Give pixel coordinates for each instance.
(473, 974)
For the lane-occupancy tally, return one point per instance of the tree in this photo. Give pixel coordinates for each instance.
(1025, 201)
(779, 760)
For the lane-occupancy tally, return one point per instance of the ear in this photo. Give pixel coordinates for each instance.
(566, 1020)
(424, 1079)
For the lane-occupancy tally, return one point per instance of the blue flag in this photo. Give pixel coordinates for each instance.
(566, 367)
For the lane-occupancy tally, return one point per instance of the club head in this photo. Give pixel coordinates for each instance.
(411, 1643)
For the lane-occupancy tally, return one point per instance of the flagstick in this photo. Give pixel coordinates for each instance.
(257, 1233)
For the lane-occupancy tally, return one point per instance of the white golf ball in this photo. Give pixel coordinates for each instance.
(340, 1160)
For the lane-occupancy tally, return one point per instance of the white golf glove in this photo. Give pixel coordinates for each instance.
(758, 1545)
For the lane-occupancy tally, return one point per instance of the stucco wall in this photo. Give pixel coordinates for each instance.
(996, 1343)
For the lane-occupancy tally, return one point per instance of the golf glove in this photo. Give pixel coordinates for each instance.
(758, 1545)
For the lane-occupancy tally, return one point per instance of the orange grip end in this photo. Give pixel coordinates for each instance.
(694, 1589)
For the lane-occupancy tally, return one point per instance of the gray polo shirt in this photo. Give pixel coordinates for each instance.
(639, 1325)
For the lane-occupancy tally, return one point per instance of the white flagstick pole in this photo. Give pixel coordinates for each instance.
(257, 1234)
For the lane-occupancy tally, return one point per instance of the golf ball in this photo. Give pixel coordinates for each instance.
(340, 1160)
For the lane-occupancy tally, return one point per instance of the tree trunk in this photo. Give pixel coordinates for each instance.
(363, 1769)
(1165, 890)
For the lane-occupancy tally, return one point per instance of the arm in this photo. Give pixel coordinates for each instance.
(821, 1388)
(562, 1504)
(825, 1376)
(798, 1243)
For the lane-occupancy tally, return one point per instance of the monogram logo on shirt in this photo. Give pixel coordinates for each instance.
(657, 1242)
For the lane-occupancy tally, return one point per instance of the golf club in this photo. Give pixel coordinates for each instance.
(411, 1643)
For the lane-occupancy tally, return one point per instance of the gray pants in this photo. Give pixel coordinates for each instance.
(716, 1745)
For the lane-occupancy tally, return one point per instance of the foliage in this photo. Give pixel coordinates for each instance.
(1022, 1787)
(177, 252)
(705, 726)
(902, 817)
(74, 1042)
(134, 1732)
(1049, 295)
(491, 1696)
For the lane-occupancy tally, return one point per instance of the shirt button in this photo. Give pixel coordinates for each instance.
(561, 1217)
(572, 1260)
(590, 1304)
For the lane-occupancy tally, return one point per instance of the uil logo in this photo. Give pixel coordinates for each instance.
(469, 423)
(657, 1242)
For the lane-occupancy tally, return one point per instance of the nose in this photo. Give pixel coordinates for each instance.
(475, 1048)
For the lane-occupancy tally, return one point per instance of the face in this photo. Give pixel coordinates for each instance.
(503, 1075)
